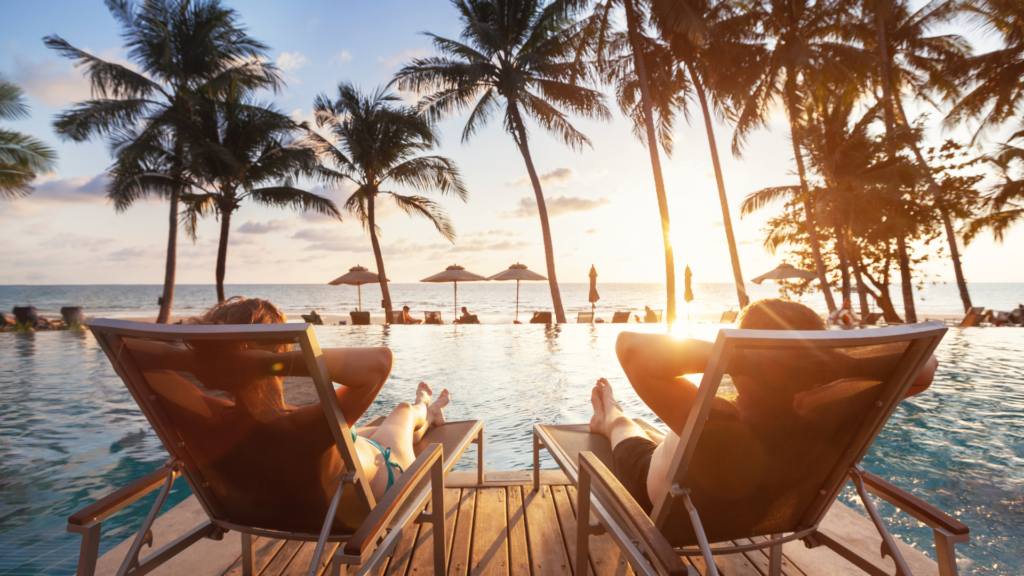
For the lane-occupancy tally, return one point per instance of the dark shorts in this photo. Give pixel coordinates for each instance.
(632, 462)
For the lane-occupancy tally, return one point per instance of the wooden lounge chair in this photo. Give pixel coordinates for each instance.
(361, 318)
(432, 318)
(732, 480)
(653, 316)
(28, 316)
(973, 317)
(470, 319)
(728, 317)
(397, 317)
(314, 319)
(74, 316)
(620, 317)
(232, 457)
(585, 318)
(541, 318)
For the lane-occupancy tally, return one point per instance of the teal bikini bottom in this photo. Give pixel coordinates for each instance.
(386, 452)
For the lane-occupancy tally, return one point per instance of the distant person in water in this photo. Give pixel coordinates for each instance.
(656, 364)
(255, 417)
(407, 318)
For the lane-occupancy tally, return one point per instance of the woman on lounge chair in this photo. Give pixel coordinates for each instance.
(254, 416)
(655, 365)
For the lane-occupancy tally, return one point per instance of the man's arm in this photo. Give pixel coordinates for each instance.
(924, 378)
(654, 365)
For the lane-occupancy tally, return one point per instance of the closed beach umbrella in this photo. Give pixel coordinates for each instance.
(455, 274)
(517, 272)
(594, 296)
(784, 272)
(357, 276)
(688, 292)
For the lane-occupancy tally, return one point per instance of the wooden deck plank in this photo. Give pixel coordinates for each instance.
(458, 563)
(518, 553)
(399, 561)
(567, 524)
(299, 564)
(606, 559)
(282, 558)
(788, 567)
(264, 550)
(422, 563)
(547, 551)
(490, 534)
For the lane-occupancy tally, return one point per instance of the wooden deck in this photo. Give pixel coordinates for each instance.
(503, 529)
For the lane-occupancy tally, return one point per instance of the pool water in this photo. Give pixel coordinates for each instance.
(70, 433)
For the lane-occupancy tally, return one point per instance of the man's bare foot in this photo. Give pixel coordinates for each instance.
(435, 412)
(423, 393)
(597, 401)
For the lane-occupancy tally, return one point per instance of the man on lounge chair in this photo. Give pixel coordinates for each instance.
(655, 365)
(253, 378)
(408, 317)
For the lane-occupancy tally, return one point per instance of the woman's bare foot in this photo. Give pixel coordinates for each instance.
(597, 401)
(423, 394)
(435, 412)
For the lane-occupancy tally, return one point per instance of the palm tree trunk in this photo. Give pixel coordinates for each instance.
(885, 76)
(862, 288)
(222, 252)
(907, 283)
(734, 256)
(633, 32)
(167, 300)
(812, 230)
(844, 261)
(382, 277)
(542, 209)
(933, 187)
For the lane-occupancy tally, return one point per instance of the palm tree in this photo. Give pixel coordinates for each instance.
(806, 46)
(376, 144)
(22, 157)
(182, 48)
(714, 50)
(241, 150)
(996, 78)
(519, 56)
(1006, 203)
(908, 58)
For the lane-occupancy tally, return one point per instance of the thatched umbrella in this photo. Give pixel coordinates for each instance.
(357, 276)
(688, 292)
(517, 272)
(455, 274)
(784, 272)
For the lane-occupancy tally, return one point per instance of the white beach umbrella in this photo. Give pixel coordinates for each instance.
(455, 274)
(784, 272)
(357, 276)
(517, 272)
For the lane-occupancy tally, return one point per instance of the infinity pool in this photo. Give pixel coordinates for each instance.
(70, 433)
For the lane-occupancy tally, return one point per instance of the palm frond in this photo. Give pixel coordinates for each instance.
(427, 208)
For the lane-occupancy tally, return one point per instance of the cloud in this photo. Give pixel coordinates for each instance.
(558, 178)
(291, 61)
(495, 246)
(80, 190)
(134, 253)
(557, 206)
(592, 231)
(64, 240)
(58, 83)
(486, 233)
(401, 57)
(340, 58)
(255, 227)
(718, 224)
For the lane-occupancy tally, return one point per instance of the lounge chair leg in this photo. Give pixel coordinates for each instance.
(248, 560)
(775, 558)
(888, 544)
(90, 550)
(145, 536)
(480, 457)
(583, 522)
(536, 462)
(702, 539)
(944, 551)
(437, 513)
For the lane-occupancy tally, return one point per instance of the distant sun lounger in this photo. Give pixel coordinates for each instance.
(585, 318)
(738, 486)
(620, 317)
(728, 317)
(541, 318)
(873, 318)
(360, 318)
(972, 318)
(74, 316)
(432, 318)
(314, 319)
(174, 375)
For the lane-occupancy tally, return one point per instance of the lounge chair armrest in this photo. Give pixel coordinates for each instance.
(640, 522)
(913, 505)
(386, 509)
(112, 503)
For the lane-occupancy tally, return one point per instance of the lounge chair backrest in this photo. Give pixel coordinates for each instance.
(657, 316)
(432, 318)
(361, 318)
(541, 318)
(585, 318)
(975, 310)
(728, 317)
(873, 318)
(471, 319)
(812, 404)
(243, 409)
(620, 317)
(26, 315)
(397, 317)
(73, 315)
(972, 320)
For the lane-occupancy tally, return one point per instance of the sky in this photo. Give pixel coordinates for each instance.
(602, 205)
